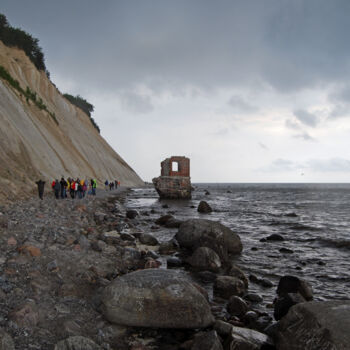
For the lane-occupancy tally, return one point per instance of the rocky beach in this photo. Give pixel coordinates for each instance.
(124, 270)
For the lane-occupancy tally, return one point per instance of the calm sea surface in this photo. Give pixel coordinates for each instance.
(314, 220)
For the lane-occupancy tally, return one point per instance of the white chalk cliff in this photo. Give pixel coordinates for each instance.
(33, 145)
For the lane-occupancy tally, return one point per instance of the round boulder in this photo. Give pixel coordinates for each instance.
(195, 233)
(205, 258)
(226, 286)
(148, 239)
(155, 298)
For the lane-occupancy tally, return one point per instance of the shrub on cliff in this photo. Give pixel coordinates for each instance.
(16, 37)
(84, 105)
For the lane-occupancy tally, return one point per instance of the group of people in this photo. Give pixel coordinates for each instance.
(76, 188)
(111, 185)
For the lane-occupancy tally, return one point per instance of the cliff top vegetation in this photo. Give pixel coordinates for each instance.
(17, 37)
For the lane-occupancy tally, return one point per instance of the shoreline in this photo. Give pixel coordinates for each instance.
(59, 256)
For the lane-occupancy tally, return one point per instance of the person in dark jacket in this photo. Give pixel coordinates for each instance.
(57, 189)
(41, 185)
(64, 185)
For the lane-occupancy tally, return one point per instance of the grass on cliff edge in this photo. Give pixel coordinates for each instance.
(28, 93)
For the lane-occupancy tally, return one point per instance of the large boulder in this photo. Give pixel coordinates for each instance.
(155, 298)
(77, 343)
(315, 325)
(195, 233)
(205, 258)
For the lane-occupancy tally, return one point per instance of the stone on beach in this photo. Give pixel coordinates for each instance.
(205, 258)
(155, 298)
(207, 341)
(196, 233)
(6, 342)
(315, 325)
(226, 286)
(148, 239)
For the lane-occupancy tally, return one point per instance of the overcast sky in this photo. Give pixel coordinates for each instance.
(250, 91)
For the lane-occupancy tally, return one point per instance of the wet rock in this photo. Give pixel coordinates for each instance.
(165, 206)
(152, 263)
(235, 271)
(291, 215)
(250, 317)
(174, 261)
(226, 286)
(168, 247)
(131, 257)
(155, 298)
(6, 342)
(236, 306)
(247, 339)
(127, 237)
(131, 213)
(173, 223)
(291, 284)
(204, 207)
(253, 297)
(285, 302)
(148, 239)
(275, 237)
(163, 220)
(77, 343)
(111, 237)
(207, 341)
(207, 193)
(286, 250)
(266, 283)
(314, 326)
(205, 258)
(195, 233)
(207, 276)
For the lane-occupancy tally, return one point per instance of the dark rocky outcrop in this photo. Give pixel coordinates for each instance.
(195, 233)
(315, 326)
(155, 298)
(204, 207)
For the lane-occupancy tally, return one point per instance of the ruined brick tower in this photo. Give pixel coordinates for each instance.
(175, 181)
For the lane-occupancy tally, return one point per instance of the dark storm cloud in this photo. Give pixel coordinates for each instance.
(306, 117)
(168, 45)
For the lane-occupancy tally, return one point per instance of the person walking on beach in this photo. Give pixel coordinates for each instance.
(64, 185)
(106, 185)
(116, 184)
(57, 189)
(41, 185)
(72, 188)
(93, 186)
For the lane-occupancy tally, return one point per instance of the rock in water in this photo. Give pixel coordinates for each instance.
(195, 233)
(148, 239)
(205, 258)
(204, 207)
(315, 325)
(155, 298)
(77, 343)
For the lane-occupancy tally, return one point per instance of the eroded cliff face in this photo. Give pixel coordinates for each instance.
(33, 146)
